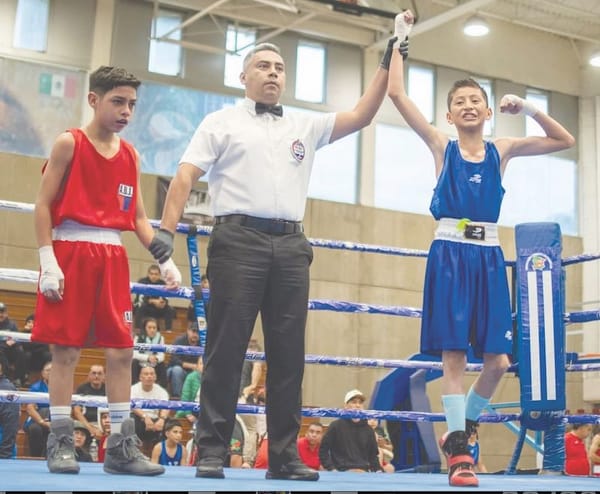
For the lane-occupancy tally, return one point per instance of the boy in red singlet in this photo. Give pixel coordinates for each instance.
(89, 193)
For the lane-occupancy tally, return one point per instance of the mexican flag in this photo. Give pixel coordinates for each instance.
(58, 85)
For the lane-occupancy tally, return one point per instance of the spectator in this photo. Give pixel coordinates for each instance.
(150, 335)
(386, 450)
(576, 455)
(104, 426)
(308, 446)
(36, 354)
(235, 455)
(37, 424)
(475, 450)
(9, 416)
(145, 306)
(204, 285)
(190, 391)
(181, 365)
(149, 423)
(170, 451)
(262, 454)
(252, 374)
(349, 444)
(594, 451)
(82, 439)
(17, 360)
(94, 386)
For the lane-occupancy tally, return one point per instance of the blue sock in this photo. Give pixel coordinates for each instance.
(454, 408)
(474, 404)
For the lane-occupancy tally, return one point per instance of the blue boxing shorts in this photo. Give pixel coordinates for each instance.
(466, 299)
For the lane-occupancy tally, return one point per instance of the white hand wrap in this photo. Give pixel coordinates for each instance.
(527, 107)
(170, 273)
(401, 29)
(51, 275)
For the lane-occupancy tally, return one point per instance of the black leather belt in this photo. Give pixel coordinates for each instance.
(265, 225)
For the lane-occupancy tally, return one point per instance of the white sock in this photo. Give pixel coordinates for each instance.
(118, 413)
(57, 413)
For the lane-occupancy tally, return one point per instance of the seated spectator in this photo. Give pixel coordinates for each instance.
(181, 365)
(235, 457)
(94, 386)
(37, 424)
(204, 286)
(170, 451)
(15, 355)
(576, 454)
(149, 334)
(104, 426)
(308, 446)
(386, 451)
(191, 391)
(262, 453)
(36, 354)
(149, 423)
(82, 439)
(349, 444)
(145, 306)
(594, 451)
(250, 389)
(9, 416)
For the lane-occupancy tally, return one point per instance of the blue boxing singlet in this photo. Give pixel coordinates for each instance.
(465, 296)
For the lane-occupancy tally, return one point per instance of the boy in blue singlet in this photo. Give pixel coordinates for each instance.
(466, 297)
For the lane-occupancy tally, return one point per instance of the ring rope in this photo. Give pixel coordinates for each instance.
(402, 416)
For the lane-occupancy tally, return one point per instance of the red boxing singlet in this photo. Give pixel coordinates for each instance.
(99, 191)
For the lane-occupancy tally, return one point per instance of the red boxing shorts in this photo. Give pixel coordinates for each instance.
(96, 307)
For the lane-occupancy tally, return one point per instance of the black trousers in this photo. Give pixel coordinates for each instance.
(251, 272)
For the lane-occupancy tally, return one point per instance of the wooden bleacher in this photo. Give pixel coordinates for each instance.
(21, 304)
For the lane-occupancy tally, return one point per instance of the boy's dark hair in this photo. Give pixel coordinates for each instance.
(169, 424)
(105, 78)
(470, 82)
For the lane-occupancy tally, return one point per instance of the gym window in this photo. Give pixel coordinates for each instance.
(166, 56)
(31, 25)
(310, 59)
(421, 89)
(239, 41)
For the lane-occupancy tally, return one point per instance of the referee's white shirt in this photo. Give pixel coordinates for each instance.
(258, 165)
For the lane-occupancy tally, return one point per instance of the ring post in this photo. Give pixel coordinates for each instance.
(541, 335)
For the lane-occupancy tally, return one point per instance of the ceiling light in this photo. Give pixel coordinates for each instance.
(595, 59)
(476, 26)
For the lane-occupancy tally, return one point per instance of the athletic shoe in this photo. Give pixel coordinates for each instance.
(461, 468)
(61, 448)
(123, 455)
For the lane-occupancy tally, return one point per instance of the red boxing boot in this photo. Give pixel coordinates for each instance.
(461, 468)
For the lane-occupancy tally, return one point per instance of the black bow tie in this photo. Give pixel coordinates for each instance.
(274, 109)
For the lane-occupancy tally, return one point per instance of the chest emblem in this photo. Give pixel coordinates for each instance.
(125, 196)
(298, 150)
(475, 178)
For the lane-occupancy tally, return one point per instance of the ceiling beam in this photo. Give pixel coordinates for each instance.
(194, 18)
(438, 20)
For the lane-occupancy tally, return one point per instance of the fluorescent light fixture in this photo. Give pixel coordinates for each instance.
(476, 26)
(595, 59)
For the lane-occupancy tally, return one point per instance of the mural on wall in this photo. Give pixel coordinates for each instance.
(164, 122)
(37, 102)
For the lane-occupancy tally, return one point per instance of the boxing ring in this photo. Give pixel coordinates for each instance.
(541, 366)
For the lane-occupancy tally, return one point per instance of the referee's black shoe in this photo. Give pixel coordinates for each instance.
(210, 468)
(294, 470)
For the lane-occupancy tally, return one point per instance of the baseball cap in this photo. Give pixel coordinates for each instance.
(79, 425)
(353, 394)
(2, 306)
